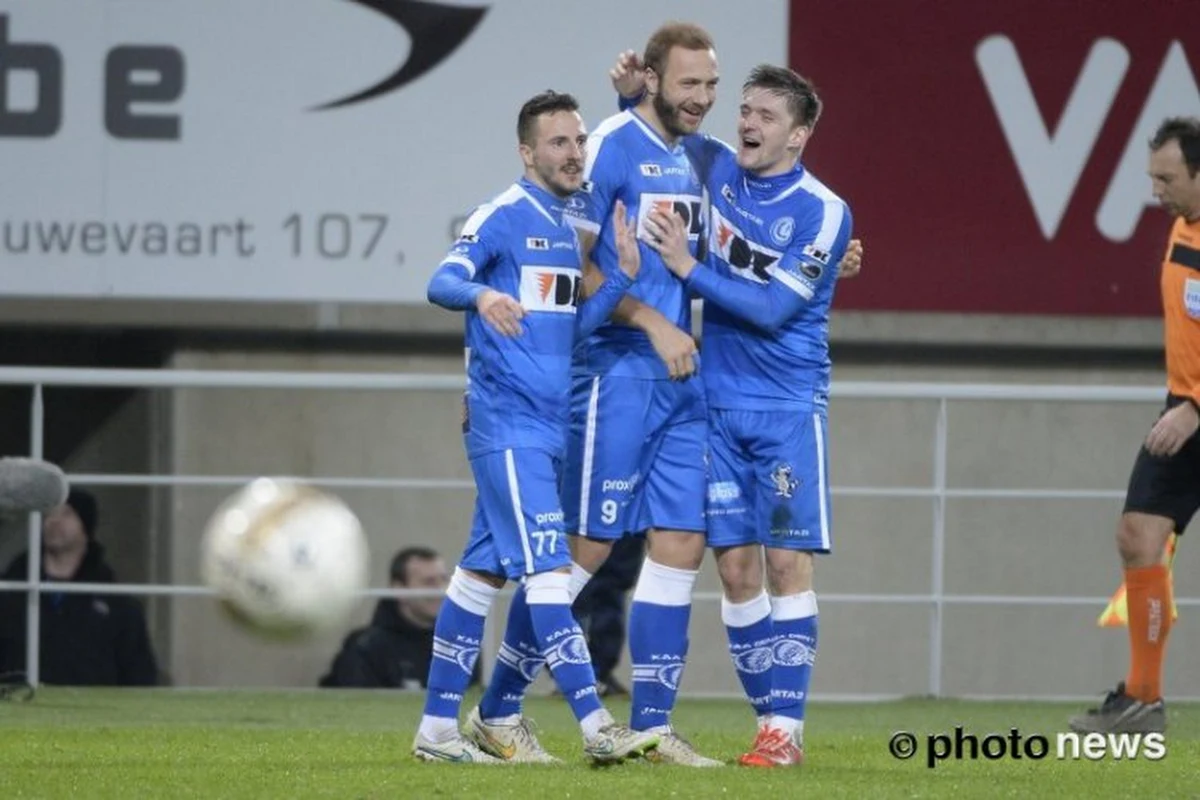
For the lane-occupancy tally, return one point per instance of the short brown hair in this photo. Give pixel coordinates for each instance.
(546, 102)
(674, 34)
(1186, 131)
(802, 101)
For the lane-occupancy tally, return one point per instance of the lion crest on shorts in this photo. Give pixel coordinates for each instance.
(785, 484)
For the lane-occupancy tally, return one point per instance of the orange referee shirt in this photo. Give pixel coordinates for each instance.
(1181, 308)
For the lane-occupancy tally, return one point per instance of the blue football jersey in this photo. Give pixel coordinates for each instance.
(774, 247)
(518, 388)
(628, 161)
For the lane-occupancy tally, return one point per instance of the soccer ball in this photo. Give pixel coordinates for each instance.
(286, 560)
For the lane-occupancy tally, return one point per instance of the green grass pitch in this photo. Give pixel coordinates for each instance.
(105, 743)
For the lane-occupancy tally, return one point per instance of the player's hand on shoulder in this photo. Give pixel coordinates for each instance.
(851, 263)
(501, 311)
(627, 75)
(629, 256)
(667, 233)
(1172, 430)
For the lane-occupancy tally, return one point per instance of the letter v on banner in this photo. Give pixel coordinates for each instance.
(1050, 164)
(1174, 94)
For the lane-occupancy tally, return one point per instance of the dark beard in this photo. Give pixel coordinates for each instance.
(669, 116)
(555, 186)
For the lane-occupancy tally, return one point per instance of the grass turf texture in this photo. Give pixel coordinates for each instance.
(98, 743)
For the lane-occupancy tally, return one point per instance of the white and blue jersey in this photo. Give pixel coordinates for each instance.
(629, 161)
(518, 388)
(636, 447)
(775, 243)
(768, 283)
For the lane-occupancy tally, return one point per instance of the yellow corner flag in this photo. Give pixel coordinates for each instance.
(1117, 613)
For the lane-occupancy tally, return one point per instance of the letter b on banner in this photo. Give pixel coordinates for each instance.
(44, 62)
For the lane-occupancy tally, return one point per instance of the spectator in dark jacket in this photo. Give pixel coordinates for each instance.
(394, 651)
(86, 639)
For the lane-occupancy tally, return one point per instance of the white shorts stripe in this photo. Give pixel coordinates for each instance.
(589, 456)
(822, 486)
(514, 491)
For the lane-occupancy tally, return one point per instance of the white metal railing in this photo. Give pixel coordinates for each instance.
(38, 378)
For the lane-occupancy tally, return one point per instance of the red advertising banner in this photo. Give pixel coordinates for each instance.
(994, 154)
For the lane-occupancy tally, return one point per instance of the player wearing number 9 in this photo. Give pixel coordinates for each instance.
(515, 271)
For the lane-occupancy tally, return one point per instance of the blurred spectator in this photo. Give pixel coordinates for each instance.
(86, 639)
(394, 651)
(601, 610)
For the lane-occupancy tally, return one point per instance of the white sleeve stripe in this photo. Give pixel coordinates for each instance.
(477, 218)
(790, 281)
(462, 261)
(582, 224)
(598, 137)
(831, 223)
(481, 214)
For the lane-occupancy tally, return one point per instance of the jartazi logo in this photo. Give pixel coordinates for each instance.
(436, 31)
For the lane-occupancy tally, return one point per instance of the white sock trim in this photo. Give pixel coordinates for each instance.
(548, 588)
(664, 586)
(794, 606)
(743, 615)
(594, 722)
(438, 729)
(470, 594)
(579, 579)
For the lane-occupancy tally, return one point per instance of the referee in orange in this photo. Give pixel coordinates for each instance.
(1164, 487)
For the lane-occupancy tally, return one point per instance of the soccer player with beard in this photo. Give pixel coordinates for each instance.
(515, 271)
(636, 450)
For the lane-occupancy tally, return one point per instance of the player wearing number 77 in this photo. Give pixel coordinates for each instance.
(776, 236)
(515, 270)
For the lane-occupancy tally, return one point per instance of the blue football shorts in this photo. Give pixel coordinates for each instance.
(768, 480)
(635, 456)
(518, 525)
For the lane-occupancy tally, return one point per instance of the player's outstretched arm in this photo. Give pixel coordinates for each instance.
(766, 306)
(451, 287)
(599, 306)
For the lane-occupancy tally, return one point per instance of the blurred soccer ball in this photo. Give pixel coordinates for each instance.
(285, 559)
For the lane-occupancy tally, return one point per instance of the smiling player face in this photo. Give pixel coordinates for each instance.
(769, 140)
(556, 159)
(686, 91)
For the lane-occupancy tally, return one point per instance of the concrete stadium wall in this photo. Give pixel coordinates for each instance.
(882, 545)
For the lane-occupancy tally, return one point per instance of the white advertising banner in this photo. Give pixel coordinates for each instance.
(292, 150)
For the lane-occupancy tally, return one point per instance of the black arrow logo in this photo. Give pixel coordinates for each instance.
(436, 31)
